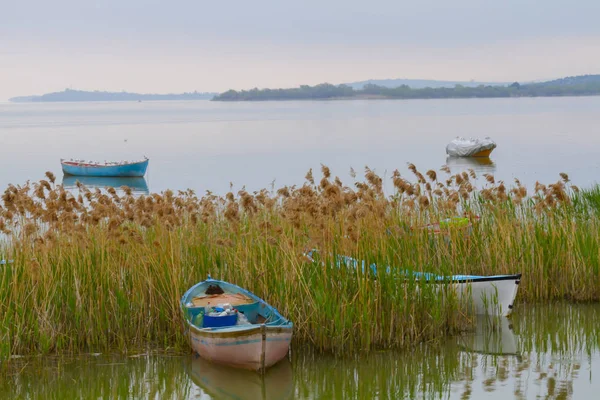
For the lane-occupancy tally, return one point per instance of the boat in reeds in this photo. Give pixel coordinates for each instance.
(221, 381)
(461, 147)
(255, 337)
(488, 295)
(447, 225)
(484, 295)
(94, 168)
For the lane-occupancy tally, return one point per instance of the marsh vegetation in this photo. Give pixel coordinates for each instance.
(99, 270)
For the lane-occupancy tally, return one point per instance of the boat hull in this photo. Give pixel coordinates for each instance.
(243, 349)
(259, 343)
(483, 153)
(494, 295)
(483, 295)
(132, 170)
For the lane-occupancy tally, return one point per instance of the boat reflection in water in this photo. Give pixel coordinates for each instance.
(492, 335)
(481, 165)
(137, 185)
(223, 382)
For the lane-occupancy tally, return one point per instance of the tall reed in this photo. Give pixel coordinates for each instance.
(102, 270)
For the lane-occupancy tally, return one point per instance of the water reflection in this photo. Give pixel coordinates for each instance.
(548, 351)
(481, 165)
(138, 185)
(225, 382)
(492, 336)
(425, 370)
(553, 343)
(95, 377)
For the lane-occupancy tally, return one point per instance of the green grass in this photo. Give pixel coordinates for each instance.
(95, 271)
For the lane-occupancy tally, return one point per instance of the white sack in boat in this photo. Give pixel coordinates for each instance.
(461, 147)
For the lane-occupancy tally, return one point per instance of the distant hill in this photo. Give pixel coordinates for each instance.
(420, 83)
(586, 85)
(572, 81)
(81, 95)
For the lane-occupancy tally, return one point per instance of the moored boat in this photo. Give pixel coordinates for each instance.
(461, 147)
(488, 295)
(94, 168)
(485, 295)
(255, 337)
(446, 225)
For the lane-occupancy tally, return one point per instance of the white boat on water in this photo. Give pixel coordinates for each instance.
(461, 147)
(488, 295)
(484, 295)
(254, 337)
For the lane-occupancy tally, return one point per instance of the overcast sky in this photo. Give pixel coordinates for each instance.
(162, 46)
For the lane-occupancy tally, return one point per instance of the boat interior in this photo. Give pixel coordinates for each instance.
(214, 293)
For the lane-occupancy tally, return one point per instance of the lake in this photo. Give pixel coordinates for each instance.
(543, 351)
(206, 145)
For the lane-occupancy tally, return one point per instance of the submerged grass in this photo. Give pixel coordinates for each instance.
(97, 270)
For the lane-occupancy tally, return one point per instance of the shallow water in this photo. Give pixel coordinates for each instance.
(206, 145)
(542, 352)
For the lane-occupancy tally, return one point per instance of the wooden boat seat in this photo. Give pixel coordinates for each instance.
(235, 299)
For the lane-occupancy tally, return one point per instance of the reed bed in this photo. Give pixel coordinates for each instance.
(99, 270)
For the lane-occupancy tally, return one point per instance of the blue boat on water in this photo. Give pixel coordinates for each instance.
(91, 168)
(256, 341)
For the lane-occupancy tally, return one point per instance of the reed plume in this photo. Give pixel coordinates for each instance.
(110, 266)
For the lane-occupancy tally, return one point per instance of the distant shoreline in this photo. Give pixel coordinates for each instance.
(577, 86)
(586, 85)
(69, 95)
(347, 98)
(360, 97)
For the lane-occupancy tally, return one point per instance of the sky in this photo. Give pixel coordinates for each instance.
(159, 46)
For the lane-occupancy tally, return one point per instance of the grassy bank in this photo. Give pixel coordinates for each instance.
(102, 270)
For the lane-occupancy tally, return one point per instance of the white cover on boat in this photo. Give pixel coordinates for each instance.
(103, 164)
(461, 147)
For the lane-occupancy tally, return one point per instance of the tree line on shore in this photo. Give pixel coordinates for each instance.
(586, 85)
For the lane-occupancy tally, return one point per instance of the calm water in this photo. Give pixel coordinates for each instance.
(206, 145)
(542, 352)
(545, 351)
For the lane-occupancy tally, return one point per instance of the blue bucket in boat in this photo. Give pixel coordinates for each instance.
(216, 322)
